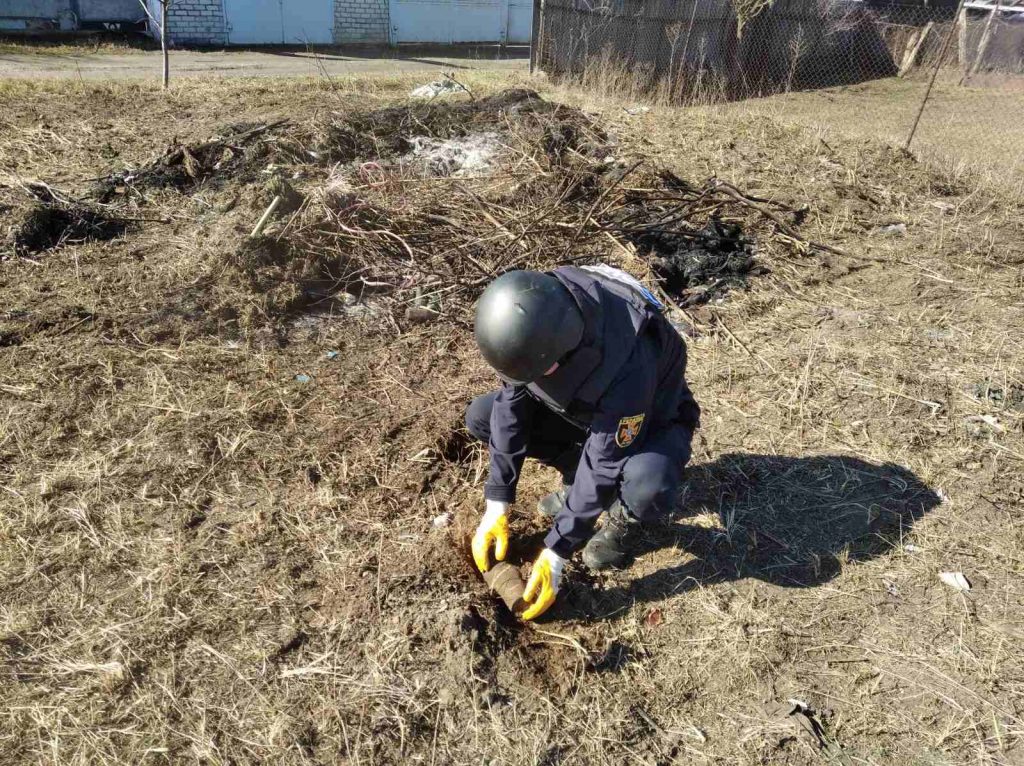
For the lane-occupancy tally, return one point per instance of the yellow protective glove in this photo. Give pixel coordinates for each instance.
(542, 587)
(492, 530)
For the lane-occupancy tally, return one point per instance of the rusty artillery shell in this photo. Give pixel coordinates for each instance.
(505, 580)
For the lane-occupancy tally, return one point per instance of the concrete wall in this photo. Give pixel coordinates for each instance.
(361, 21)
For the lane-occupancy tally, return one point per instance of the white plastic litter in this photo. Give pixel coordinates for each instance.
(466, 155)
(698, 734)
(442, 521)
(990, 420)
(955, 580)
(436, 88)
(938, 333)
(894, 229)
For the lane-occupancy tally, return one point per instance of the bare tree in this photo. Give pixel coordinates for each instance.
(162, 25)
(840, 16)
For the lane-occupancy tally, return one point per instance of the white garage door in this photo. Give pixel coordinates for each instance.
(308, 21)
(461, 21)
(273, 22)
(520, 21)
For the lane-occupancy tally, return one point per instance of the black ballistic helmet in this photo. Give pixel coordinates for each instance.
(526, 321)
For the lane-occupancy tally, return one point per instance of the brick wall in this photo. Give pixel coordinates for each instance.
(361, 21)
(201, 22)
(196, 22)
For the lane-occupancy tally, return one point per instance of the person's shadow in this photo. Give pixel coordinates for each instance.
(794, 522)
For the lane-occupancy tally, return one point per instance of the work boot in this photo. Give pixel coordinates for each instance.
(612, 546)
(552, 503)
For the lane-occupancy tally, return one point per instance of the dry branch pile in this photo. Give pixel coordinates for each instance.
(562, 189)
(363, 214)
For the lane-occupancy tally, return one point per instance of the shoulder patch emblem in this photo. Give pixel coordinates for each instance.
(628, 430)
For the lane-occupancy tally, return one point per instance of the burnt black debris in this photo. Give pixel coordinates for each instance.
(239, 153)
(45, 226)
(700, 265)
(1011, 397)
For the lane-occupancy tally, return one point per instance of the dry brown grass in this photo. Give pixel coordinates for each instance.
(964, 129)
(205, 560)
(63, 45)
(971, 128)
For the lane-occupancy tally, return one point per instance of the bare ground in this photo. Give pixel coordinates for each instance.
(204, 558)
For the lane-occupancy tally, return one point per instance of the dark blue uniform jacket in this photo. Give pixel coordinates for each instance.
(624, 382)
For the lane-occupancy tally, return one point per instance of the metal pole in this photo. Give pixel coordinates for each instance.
(166, 75)
(534, 35)
(931, 83)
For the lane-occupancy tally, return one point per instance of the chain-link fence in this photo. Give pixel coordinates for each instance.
(947, 80)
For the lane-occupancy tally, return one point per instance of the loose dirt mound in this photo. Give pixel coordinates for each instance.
(377, 226)
(387, 133)
(558, 192)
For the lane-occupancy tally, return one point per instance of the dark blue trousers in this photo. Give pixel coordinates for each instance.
(650, 478)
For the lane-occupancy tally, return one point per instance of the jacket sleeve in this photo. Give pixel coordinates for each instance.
(612, 439)
(511, 416)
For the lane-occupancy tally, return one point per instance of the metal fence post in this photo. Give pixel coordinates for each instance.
(535, 35)
(935, 74)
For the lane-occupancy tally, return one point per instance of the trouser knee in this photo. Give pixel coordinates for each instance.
(650, 485)
(478, 417)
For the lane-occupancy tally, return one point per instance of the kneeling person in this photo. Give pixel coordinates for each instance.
(593, 385)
